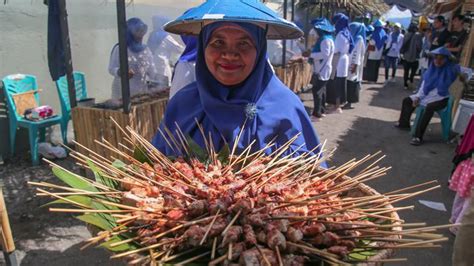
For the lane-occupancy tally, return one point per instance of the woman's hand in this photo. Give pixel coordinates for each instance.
(353, 68)
(416, 102)
(130, 74)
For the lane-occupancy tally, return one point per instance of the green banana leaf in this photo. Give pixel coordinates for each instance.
(73, 180)
(84, 200)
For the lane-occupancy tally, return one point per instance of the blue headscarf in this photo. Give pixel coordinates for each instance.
(341, 22)
(379, 36)
(268, 108)
(323, 35)
(158, 35)
(135, 29)
(190, 52)
(369, 30)
(440, 78)
(358, 31)
(324, 29)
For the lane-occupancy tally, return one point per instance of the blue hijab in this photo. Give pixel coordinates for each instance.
(442, 77)
(358, 30)
(158, 34)
(323, 35)
(136, 29)
(341, 22)
(190, 52)
(269, 109)
(379, 36)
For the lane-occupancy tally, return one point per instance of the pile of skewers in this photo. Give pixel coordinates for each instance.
(223, 208)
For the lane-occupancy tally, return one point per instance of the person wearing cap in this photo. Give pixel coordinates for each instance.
(236, 98)
(184, 73)
(344, 44)
(375, 50)
(440, 33)
(394, 44)
(321, 54)
(356, 67)
(433, 93)
(411, 50)
(141, 67)
(164, 47)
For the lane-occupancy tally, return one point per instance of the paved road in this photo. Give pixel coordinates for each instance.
(369, 128)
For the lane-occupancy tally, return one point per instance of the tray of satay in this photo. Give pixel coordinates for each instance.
(269, 206)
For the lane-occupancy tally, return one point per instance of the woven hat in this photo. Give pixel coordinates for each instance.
(251, 11)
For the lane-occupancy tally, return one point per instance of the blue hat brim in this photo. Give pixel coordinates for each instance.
(326, 28)
(250, 11)
(442, 51)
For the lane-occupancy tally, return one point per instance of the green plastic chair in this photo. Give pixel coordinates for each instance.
(444, 115)
(81, 94)
(15, 84)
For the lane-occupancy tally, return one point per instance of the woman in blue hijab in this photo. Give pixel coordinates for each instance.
(433, 93)
(141, 67)
(344, 44)
(375, 47)
(322, 54)
(354, 79)
(236, 91)
(184, 68)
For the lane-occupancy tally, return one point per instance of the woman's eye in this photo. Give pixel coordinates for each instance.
(217, 43)
(245, 45)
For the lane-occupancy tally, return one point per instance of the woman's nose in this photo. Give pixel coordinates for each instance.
(230, 54)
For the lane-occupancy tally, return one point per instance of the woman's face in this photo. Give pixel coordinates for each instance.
(230, 55)
(439, 60)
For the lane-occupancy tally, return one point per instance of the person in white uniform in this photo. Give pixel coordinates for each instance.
(164, 47)
(321, 55)
(375, 50)
(344, 44)
(184, 70)
(141, 67)
(358, 31)
(394, 44)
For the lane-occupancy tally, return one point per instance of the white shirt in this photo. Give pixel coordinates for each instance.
(396, 46)
(357, 58)
(342, 47)
(322, 60)
(432, 96)
(163, 55)
(140, 63)
(275, 50)
(377, 53)
(184, 74)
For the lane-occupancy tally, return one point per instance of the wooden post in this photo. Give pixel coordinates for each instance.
(67, 52)
(122, 37)
(8, 245)
(283, 57)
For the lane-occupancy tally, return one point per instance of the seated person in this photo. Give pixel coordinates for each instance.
(433, 93)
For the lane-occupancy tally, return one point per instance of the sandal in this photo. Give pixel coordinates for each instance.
(416, 141)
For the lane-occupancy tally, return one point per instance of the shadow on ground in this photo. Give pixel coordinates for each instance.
(412, 165)
(90, 256)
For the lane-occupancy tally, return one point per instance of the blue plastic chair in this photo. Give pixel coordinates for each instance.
(21, 84)
(444, 115)
(81, 94)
